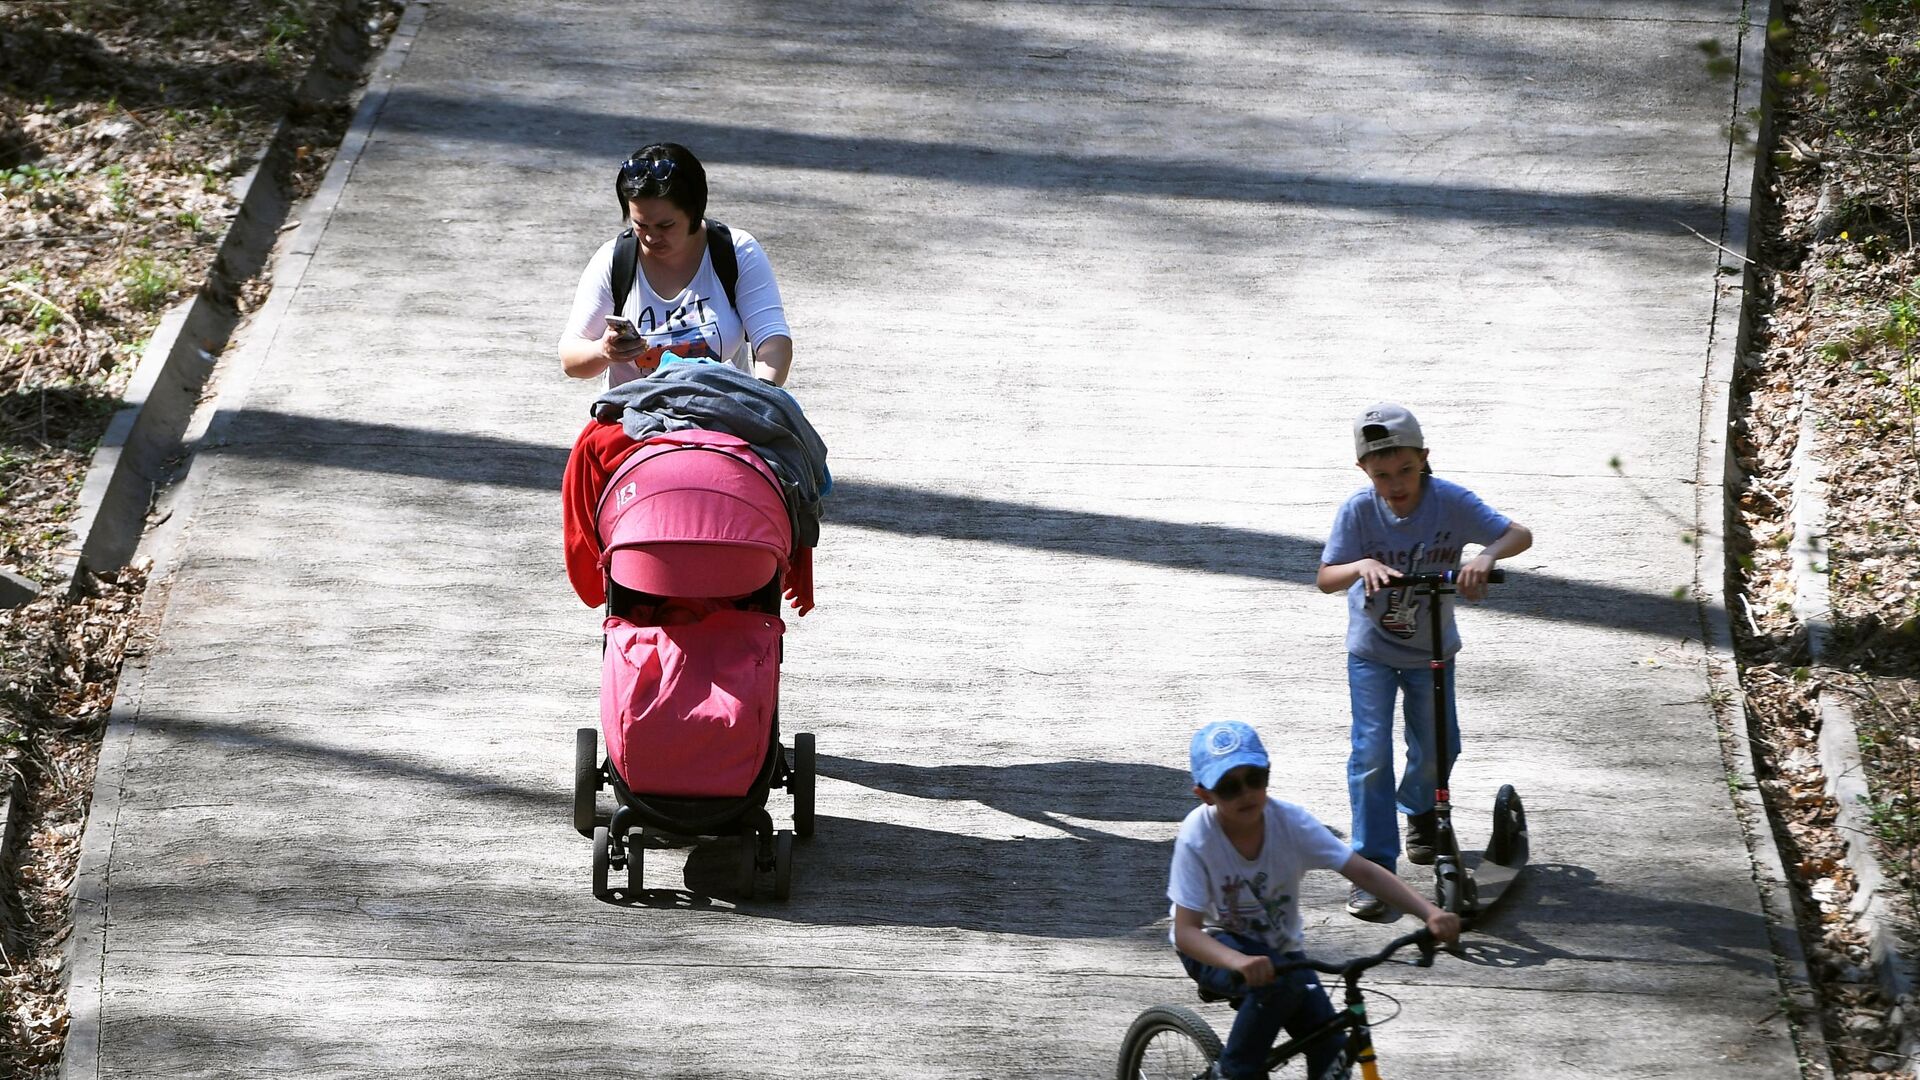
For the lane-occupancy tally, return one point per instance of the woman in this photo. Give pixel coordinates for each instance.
(679, 302)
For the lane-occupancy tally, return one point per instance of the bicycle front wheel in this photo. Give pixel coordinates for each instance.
(1168, 1042)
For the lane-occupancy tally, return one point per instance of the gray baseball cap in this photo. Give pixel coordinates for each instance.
(1384, 427)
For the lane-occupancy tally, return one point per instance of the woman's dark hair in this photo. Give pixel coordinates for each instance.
(664, 171)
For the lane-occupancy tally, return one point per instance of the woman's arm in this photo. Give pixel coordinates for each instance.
(762, 317)
(772, 358)
(584, 358)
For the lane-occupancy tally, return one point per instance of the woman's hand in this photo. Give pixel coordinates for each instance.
(616, 349)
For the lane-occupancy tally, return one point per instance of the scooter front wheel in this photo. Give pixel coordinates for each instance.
(1167, 1042)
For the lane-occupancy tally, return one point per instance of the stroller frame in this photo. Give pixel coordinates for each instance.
(618, 839)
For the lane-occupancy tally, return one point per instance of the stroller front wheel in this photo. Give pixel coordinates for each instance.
(748, 862)
(602, 860)
(782, 865)
(636, 880)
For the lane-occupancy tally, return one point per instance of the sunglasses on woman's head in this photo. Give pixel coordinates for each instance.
(1231, 785)
(637, 173)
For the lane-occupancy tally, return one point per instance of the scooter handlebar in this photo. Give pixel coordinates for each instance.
(1447, 577)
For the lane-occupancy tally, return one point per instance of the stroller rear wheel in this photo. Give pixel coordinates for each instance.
(586, 778)
(636, 879)
(749, 860)
(602, 859)
(782, 865)
(800, 783)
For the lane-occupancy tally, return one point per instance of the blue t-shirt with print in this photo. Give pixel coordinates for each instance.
(1390, 626)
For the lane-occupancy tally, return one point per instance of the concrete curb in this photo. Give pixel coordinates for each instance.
(142, 441)
(87, 945)
(10, 801)
(1840, 762)
(1713, 579)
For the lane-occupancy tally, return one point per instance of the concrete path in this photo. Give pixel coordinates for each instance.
(1085, 295)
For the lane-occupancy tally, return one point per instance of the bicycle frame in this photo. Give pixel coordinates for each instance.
(1359, 1048)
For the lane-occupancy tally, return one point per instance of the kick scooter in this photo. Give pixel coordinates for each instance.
(1465, 883)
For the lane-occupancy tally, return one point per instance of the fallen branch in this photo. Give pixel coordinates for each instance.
(1722, 247)
(14, 286)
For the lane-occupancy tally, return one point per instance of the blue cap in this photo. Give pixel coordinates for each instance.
(1220, 748)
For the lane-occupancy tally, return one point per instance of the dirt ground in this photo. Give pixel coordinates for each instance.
(1837, 341)
(123, 124)
(122, 129)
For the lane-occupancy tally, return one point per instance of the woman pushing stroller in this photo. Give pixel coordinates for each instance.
(674, 281)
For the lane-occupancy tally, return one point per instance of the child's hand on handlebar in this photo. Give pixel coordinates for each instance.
(1376, 574)
(1471, 582)
(1444, 925)
(1255, 971)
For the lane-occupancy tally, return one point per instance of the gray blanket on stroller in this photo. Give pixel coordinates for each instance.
(718, 397)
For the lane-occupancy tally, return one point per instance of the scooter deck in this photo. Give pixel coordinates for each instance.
(1491, 880)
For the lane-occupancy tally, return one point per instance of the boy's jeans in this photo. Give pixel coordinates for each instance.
(1370, 787)
(1294, 1000)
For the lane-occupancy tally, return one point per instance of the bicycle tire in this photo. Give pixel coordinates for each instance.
(1167, 1042)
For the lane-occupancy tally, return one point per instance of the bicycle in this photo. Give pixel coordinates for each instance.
(1172, 1042)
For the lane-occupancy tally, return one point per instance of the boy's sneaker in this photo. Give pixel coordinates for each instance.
(1422, 834)
(1362, 904)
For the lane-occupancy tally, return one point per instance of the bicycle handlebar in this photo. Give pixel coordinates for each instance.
(1445, 577)
(1422, 937)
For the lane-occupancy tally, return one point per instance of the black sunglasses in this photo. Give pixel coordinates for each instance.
(1230, 786)
(637, 173)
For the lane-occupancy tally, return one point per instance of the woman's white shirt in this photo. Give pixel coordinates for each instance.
(696, 322)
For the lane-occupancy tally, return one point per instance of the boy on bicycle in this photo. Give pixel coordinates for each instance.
(1235, 885)
(1406, 521)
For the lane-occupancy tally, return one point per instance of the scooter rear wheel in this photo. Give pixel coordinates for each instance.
(1509, 840)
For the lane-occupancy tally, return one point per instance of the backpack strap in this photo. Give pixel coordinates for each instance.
(726, 263)
(626, 263)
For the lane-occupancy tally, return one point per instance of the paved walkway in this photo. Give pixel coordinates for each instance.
(1084, 295)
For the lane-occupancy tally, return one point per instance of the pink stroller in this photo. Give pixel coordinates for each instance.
(696, 538)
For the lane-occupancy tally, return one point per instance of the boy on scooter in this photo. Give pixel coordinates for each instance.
(1235, 886)
(1406, 521)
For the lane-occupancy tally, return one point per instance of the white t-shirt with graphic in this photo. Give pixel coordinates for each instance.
(696, 323)
(1391, 625)
(1256, 897)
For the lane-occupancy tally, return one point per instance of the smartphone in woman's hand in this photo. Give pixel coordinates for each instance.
(623, 327)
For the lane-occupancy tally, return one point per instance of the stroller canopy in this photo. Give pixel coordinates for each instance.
(695, 514)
